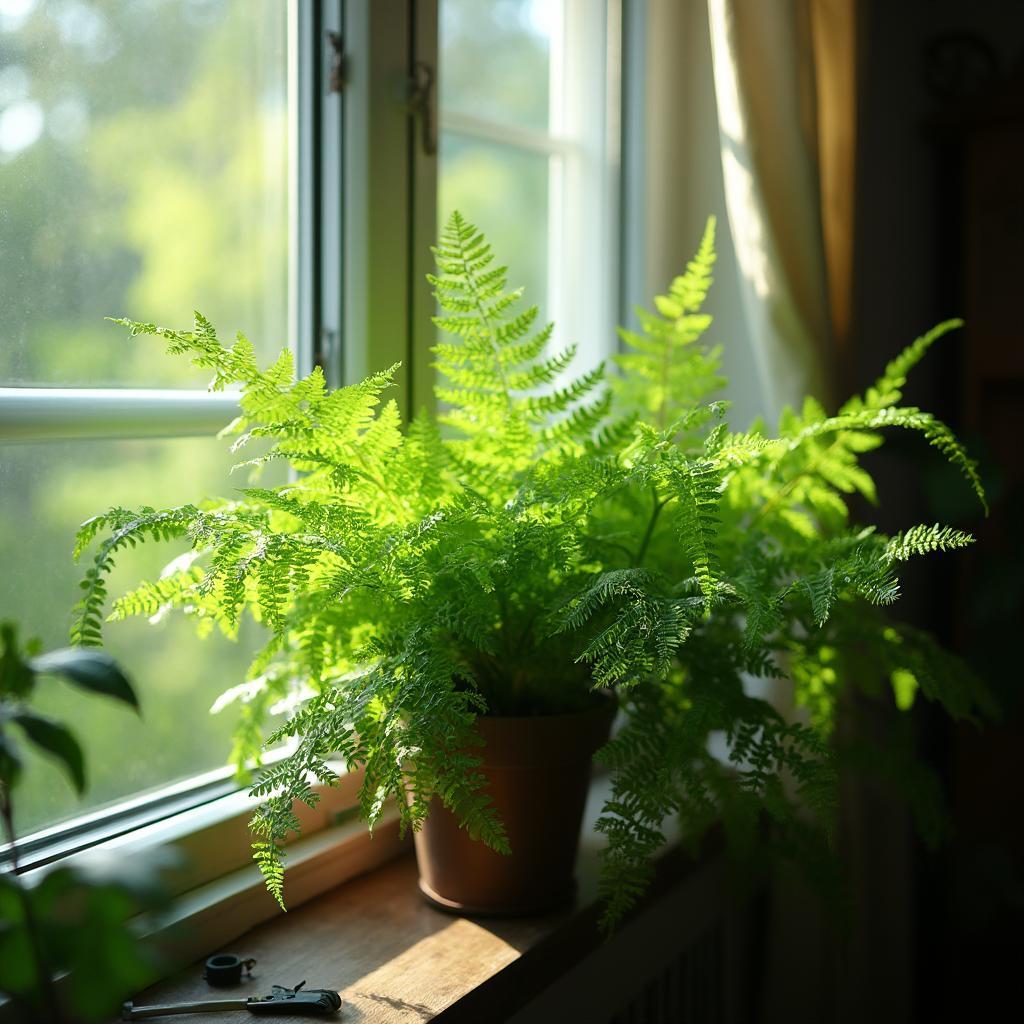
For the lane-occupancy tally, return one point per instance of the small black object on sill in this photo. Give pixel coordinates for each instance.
(226, 969)
(316, 1002)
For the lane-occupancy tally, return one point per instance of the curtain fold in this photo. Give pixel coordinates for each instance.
(835, 43)
(784, 79)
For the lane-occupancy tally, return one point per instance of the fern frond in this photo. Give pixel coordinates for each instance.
(151, 597)
(269, 859)
(821, 589)
(922, 540)
(664, 371)
(935, 432)
(86, 630)
(888, 389)
(697, 485)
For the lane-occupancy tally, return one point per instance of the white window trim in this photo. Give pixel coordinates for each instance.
(515, 136)
(77, 414)
(211, 841)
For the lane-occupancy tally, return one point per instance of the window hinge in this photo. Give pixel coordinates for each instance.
(336, 76)
(422, 103)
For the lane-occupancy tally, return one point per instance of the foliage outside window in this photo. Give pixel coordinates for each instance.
(143, 164)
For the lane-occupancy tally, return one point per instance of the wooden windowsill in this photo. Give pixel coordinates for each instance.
(396, 960)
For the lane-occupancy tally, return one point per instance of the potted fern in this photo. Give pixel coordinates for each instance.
(484, 588)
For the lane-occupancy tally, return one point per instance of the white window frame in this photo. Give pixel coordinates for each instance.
(358, 260)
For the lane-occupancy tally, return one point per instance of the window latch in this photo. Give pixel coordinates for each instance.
(422, 104)
(336, 75)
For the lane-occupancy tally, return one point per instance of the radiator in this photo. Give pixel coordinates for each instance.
(688, 959)
(689, 989)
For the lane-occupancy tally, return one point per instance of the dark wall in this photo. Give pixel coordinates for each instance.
(904, 239)
(940, 233)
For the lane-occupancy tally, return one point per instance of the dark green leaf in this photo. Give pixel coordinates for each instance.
(56, 740)
(18, 972)
(10, 761)
(89, 669)
(16, 675)
(87, 926)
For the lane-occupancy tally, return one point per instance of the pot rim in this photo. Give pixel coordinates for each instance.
(607, 703)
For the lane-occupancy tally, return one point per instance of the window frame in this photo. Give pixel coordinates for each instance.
(358, 263)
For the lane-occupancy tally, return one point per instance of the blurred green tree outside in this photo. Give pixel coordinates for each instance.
(143, 171)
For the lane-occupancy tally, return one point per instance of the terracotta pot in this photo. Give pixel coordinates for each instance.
(538, 772)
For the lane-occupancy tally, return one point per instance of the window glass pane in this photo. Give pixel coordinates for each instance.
(495, 59)
(526, 94)
(45, 491)
(504, 191)
(143, 173)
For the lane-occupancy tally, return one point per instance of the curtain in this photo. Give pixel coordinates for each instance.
(784, 80)
(785, 85)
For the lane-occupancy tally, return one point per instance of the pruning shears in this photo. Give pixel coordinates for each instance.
(313, 1002)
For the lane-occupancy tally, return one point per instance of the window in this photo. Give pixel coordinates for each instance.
(142, 173)
(260, 160)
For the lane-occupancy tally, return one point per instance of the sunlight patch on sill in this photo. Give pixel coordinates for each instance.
(427, 965)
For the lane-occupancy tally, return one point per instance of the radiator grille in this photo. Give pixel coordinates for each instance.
(688, 990)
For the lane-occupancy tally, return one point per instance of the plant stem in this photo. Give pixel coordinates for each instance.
(524, 640)
(7, 815)
(47, 997)
(506, 636)
(608, 543)
(788, 488)
(659, 504)
(666, 363)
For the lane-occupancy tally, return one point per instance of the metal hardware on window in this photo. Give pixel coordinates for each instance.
(422, 103)
(336, 77)
(326, 347)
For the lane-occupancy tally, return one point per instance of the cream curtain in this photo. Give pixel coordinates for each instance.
(784, 79)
